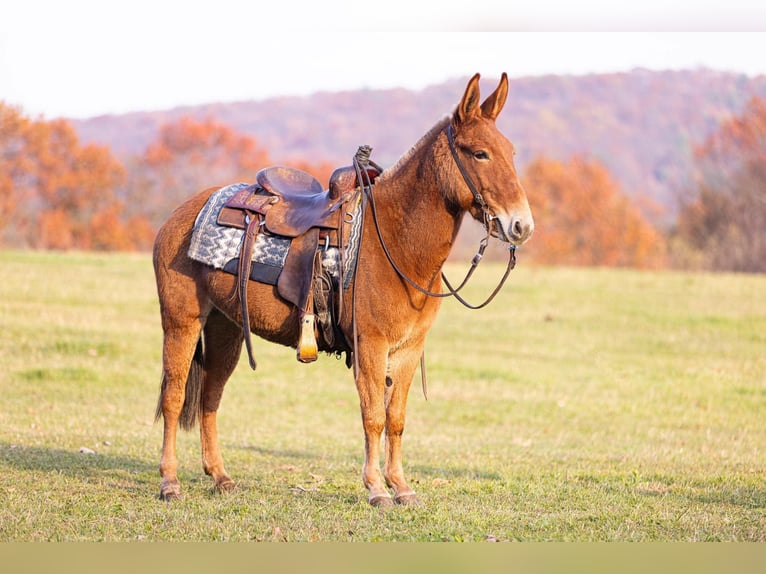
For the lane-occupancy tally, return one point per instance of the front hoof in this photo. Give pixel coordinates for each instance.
(408, 500)
(170, 491)
(225, 486)
(381, 501)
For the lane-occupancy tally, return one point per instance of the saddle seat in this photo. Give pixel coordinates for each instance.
(290, 183)
(299, 203)
(298, 186)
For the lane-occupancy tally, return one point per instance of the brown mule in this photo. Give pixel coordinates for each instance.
(463, 164)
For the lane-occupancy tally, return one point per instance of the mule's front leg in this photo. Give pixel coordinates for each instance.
(370, 385)
(373, 419)
(402, 368)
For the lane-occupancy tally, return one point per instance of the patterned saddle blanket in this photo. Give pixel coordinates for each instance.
(219, 246)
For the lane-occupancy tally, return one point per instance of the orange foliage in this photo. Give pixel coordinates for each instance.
(58, 194)
(14, 163)
(721, 226)
(208, 142)
(744, 135)
(583, 218)
(54, 187)
(187, 157)
(322, 171)
(75, 184)
(55, 231)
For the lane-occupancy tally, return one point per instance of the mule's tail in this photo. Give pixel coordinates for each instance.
(193, 396)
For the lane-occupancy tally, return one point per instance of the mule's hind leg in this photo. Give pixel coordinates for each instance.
(181, 365)
(223, 345)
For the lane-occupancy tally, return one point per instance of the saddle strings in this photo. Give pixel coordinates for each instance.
(361, 161)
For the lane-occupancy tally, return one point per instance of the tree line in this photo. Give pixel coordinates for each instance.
(58, 193)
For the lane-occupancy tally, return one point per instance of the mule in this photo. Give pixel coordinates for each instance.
(464, 164)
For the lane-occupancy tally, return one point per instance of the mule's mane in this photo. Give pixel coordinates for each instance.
(440, 125)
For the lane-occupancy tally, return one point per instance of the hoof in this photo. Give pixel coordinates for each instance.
(225, 486)
(170, 491)
(381, 501)
(408, 500)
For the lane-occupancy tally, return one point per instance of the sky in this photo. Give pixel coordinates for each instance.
(84, 58)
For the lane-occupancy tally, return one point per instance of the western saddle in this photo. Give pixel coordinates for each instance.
(291, 203)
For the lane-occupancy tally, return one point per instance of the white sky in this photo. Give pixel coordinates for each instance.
(81, 58)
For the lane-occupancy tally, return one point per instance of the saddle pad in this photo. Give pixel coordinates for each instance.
(219, 246)
(351, 253)
(215, 245)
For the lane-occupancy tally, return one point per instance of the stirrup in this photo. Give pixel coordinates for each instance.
(307, 345)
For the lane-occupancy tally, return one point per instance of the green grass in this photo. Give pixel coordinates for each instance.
(584, 405)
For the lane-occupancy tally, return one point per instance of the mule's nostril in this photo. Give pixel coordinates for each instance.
(518, 229)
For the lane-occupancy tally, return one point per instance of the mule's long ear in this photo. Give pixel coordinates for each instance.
(469, 105)
(494, 103)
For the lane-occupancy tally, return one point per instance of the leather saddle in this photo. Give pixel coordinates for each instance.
(292, 203)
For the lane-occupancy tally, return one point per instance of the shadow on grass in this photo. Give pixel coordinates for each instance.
(715, 490)
(452, 472)
(430, 471)
(750, 497)
(69, 462)
(279, 453)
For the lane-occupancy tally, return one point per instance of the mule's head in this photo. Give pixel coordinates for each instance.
(488, 186)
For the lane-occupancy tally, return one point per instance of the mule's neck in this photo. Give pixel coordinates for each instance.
(418, 223)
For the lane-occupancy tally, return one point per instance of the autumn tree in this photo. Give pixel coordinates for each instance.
(14, 167)
(54, 189)
(190, 155)
(187, 157)
(75, 185)
(721, 226)
(56, 193)
(582, 217)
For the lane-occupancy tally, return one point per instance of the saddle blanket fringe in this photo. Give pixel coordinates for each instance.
(216, 245)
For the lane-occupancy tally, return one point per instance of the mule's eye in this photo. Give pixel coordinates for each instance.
(481, 155)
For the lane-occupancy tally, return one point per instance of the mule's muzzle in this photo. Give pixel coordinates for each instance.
(515, 229)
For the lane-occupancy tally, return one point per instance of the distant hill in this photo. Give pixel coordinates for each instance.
(642, 125)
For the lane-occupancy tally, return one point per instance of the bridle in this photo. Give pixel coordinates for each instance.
(361, 160)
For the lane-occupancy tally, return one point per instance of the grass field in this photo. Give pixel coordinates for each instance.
(583, 405)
